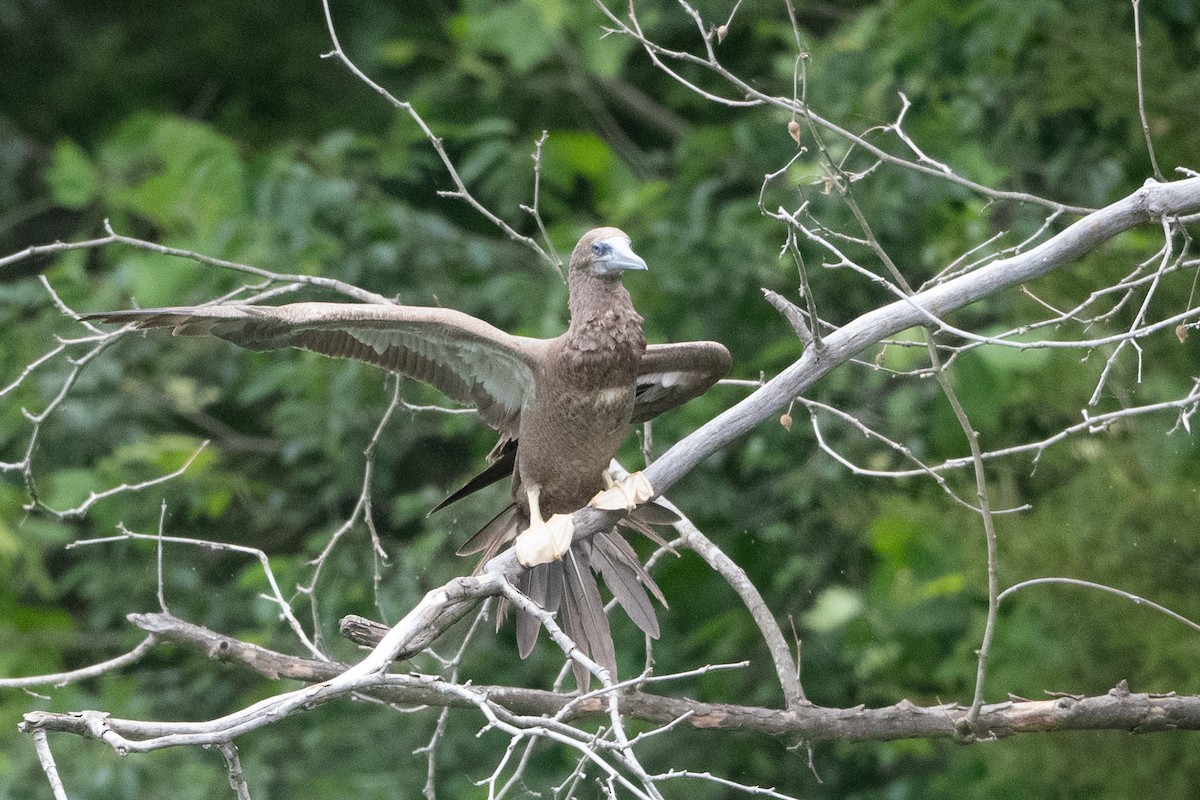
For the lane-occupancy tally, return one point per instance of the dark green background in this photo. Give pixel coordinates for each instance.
(216, 127)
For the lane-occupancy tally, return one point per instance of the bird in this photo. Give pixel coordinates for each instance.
(562, 407)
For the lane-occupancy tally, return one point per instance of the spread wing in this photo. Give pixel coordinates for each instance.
(672, 374)
(465, 358)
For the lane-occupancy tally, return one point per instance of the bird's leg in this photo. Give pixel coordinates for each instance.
(625, 494)
(543, 541)
(535, 505)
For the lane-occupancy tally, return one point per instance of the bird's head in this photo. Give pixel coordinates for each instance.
(605, 251)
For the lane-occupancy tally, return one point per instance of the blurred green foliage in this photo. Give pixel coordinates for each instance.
(217, 128)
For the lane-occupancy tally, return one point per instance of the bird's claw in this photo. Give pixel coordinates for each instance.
(544, 542)
(625, 495)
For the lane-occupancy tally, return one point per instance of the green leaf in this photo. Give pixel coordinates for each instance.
(513, 31)
(73, 179)
(833, 608)
(568, 154)
(180, 174)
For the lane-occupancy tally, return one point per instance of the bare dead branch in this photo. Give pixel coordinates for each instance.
(276, 595)
(1141, 601)
(113, 238)
(1119, 709)
(1146, 205)
(460, 192)
(58, 679)
(233, 766)
(1141, 88)
(787, 670)
(755, 96)
(46, 759)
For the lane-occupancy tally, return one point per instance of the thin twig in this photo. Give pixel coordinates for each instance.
(46, 759)
(60, 679)
(1141, 89)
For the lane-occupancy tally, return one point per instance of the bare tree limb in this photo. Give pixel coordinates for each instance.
(1148, 204)
(1119, 709)
(348, 289)
(83, 673)
(46, 758)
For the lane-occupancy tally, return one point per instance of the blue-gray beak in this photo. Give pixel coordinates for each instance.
(615, 255)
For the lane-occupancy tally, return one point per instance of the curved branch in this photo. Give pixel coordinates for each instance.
(348, 289)
(1150, 203)
(1141, 601)
(786, 668)
(438, 610)
(460, 190)
(59, 679)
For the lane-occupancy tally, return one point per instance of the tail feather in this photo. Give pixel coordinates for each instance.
(644, 516)
(541, 584)
(626, 581)
(584, 617)
(655, 514)
(570, 584)
(499, 531)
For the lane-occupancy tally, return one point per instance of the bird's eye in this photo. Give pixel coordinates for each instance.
(600, 248)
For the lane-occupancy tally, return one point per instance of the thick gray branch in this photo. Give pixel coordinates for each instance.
(1150, 203)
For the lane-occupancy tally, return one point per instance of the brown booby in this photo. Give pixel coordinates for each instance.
(562, 407)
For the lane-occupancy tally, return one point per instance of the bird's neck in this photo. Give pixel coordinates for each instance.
(594, 297)
(602, 310)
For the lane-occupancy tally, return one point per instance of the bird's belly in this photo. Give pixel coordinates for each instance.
(566, 448)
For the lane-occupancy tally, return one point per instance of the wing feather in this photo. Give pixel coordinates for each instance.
(672, 374)
(465, 358)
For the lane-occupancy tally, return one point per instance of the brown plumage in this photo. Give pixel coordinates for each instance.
(562, 407)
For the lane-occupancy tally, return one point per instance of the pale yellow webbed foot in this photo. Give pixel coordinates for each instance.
(624, 495)
(544, 542)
